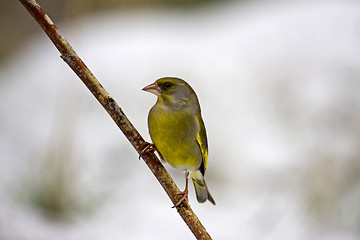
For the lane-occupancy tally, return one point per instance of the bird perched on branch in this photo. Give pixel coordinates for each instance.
(178, 132)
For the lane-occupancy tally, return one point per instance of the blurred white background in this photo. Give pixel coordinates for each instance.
(278, 83)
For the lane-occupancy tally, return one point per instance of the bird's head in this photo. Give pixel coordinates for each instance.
(173, 91)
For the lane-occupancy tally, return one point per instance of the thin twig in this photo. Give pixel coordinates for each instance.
(77, 65)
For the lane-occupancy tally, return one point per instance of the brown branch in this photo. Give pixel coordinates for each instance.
(77, 65)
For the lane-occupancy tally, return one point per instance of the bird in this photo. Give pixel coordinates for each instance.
(178, 133)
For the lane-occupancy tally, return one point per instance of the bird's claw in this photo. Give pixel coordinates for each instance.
(183, 199)
(150, 147)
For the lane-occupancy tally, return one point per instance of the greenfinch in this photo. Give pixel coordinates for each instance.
(178, 132)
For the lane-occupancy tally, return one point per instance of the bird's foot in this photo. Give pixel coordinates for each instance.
(150, 147)
(184, 198)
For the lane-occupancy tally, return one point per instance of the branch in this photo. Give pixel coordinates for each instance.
(77, 65)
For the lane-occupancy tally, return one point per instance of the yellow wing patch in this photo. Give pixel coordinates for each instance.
(204, 151)
(202, 141)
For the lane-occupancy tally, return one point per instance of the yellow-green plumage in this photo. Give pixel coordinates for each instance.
(178, 131)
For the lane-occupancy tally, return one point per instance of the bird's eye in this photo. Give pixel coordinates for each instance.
(167, 85)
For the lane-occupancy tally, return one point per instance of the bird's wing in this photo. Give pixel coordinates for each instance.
(202, 141)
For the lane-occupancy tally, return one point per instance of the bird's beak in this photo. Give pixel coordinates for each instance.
(153, 88)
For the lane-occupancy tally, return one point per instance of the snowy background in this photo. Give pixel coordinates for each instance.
(278, 84)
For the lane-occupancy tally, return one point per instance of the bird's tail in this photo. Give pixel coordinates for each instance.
(202, 191)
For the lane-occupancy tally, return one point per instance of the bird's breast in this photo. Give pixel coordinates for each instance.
(174, 134)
